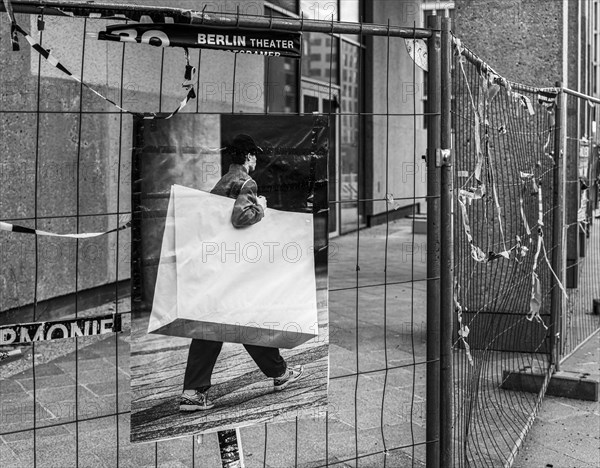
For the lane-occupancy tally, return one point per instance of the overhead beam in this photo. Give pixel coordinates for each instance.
(208, 18)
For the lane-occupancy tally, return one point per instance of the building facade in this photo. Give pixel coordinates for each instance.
(91, 168)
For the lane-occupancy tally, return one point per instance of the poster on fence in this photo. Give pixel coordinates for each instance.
(229, 272)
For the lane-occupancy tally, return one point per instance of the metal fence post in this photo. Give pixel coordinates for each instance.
(446, 254)
(557, 302)
(433, 243)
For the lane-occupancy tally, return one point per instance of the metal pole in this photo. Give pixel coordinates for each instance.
(208, 18)
(587, 97)
(558, 221)
(446, 255)
(433, 244)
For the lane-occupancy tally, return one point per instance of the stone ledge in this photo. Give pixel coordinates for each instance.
(564, 384)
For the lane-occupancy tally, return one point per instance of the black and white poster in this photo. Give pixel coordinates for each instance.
(229, 272)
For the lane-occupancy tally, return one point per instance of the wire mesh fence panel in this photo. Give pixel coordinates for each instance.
(581, 318)
(66, 158)
(504, 143)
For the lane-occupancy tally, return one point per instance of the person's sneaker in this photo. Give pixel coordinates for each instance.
(291, 375)
(196, 402)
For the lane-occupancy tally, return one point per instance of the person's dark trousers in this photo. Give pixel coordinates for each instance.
(203, 355)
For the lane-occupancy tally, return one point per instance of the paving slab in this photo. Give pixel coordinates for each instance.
(566, 432)
(98, 442)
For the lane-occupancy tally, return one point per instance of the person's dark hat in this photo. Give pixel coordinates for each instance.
(244, 144)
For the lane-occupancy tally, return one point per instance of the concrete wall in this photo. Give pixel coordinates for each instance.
(520, 39)
(95, 153)
(396, 135)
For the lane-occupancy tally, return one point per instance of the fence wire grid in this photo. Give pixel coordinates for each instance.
(66, 167)
(498, 139)
(505, 249)
(65, 157)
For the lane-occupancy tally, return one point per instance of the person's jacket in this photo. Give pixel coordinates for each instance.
(238, 184)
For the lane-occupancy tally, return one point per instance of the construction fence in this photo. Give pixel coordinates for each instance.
(526, 251)
(429, 334)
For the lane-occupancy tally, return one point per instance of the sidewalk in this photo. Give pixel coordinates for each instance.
(566, 433)
(369, 413)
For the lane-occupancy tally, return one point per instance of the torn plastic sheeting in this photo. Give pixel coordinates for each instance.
(558, 282)
(524, 102)
(529, 176)
(463, 333)
(540, 207)
(535, 301)
(537, 250)
(477, 254)
(504, 254)
(492, 91)
(546, 145)
(523, 217)
(463, 330)
(458, 47)
(479, 163)
(465, 220)
(521, 249)
(548, 100)
(518, 247)
(525, 176)
(469, 195)
(483, 68)
(489, 85)
(465, 197)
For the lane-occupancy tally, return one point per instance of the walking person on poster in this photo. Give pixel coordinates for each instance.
(249, 209)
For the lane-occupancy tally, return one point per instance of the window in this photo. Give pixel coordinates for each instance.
(326, 61)
(289, 5)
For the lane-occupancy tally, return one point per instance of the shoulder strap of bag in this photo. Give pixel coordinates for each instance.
(235, 192)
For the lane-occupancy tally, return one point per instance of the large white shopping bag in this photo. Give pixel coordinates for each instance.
(252, 285)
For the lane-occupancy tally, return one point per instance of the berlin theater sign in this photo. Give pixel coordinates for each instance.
(249, 41)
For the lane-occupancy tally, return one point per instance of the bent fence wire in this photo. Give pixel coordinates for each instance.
(581, 318)
(504, 143)
(66, 168)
